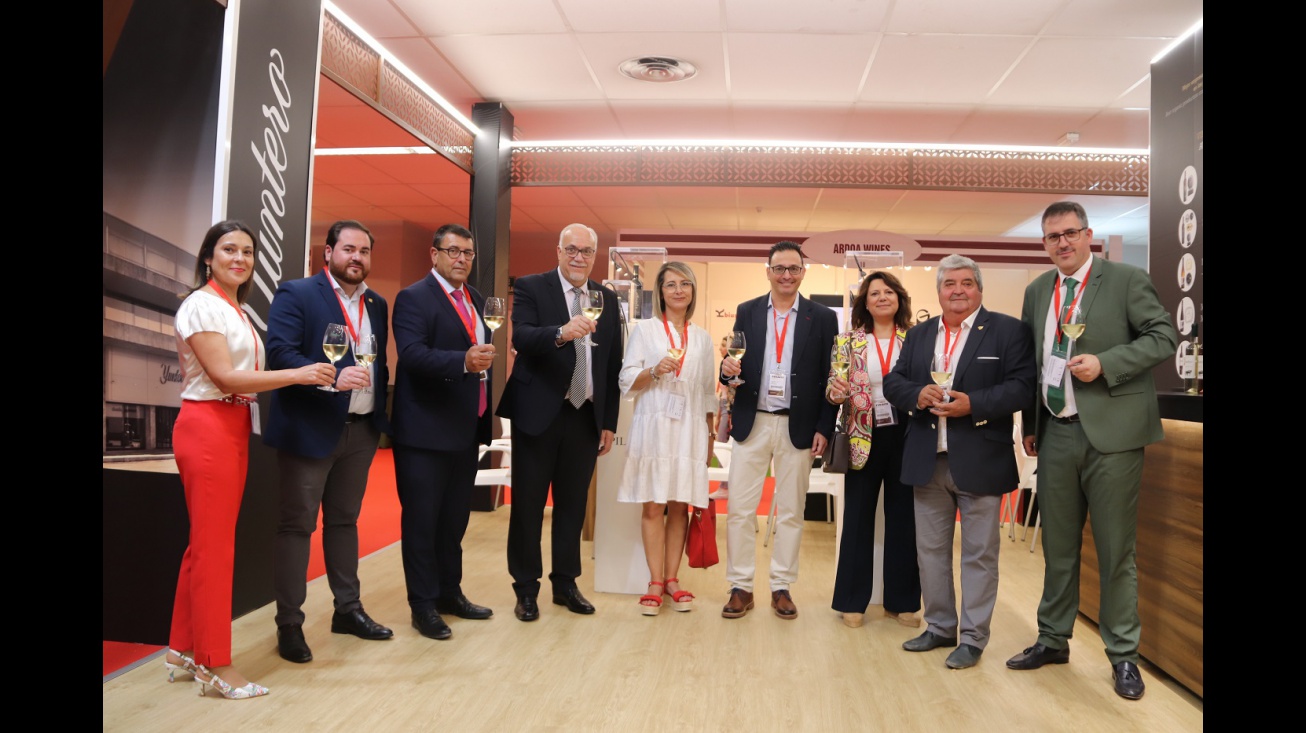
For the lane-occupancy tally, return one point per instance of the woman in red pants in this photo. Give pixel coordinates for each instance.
(222, 359)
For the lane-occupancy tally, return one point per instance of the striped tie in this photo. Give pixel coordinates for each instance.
(576, 395)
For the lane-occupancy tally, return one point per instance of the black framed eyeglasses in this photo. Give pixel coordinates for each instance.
(1071, 235)
(454, 253)
(571, 251)
(791, 269)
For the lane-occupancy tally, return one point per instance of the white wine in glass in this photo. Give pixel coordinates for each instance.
(365, 351)
(494, 314)
(335, 342)
(592, 309)
(839, 362)
(941, 373)
(675, 352)
(735, 347)
(1074, 325)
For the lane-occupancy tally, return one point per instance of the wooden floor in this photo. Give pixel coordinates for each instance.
(620, 671)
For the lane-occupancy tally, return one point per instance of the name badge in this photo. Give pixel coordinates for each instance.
(675, 406)
(885, 413)
(1054, 370)
(776, 383)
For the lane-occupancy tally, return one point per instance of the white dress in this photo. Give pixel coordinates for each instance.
(666, 458)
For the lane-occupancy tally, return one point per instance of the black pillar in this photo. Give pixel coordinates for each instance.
(490, 206)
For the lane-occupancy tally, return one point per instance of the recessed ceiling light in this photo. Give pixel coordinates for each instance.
(657, 69)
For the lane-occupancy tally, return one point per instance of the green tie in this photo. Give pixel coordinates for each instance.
(1056, 393)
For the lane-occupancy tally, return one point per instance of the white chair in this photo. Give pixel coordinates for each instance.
(1029, 480)
(721, 473)
(506, 437)
(496, 477)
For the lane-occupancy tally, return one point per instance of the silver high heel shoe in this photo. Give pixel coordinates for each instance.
(249, 689)
(187, 665)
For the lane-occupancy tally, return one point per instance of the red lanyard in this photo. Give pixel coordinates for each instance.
(887, 361)
(240, 313)
(947, 350)
(464, 314)
(780, 337)
(684, 340)
(353, 334)
(1060, 285)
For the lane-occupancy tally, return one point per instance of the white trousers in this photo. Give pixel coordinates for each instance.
(767, 444)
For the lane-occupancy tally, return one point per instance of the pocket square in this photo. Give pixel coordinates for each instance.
(994, 358)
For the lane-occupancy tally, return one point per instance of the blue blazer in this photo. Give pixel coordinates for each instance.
(435, 396)
(813, 335)
(303, 419)
(996, 370)
(541, 373)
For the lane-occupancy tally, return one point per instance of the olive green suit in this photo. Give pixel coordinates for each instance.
(1093, 468)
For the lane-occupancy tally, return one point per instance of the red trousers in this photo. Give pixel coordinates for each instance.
(211, 444)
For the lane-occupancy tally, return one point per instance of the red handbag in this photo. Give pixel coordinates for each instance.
(700, 545)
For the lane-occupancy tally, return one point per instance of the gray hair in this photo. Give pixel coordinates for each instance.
(594, 237)
(958, 262)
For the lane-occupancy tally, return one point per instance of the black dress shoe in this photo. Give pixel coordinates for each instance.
(573, 600)
(927, 641)
(358, 623)
(1038, 655)
(1129, 682)
(462, 608)
(429, 624)
(291, 644)
(527, 609)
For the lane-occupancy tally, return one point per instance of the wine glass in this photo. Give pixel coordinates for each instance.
(494, 314)
(1074, 327)
(592, 308)
(735, 347)
(335, 342)
(839, 361)
(675, 352)
(941, 372)
(365, 350)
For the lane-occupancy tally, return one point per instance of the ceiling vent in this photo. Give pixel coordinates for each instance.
(657, 69)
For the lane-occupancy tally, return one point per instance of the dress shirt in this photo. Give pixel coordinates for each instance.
(1050, 337)
(765, 400)
(957, 345)
(567, 289)
(361, 401)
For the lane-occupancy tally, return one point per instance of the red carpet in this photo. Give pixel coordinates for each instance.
(378, 527)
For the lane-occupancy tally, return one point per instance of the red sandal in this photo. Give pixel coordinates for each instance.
(681, 600)
(650, 604)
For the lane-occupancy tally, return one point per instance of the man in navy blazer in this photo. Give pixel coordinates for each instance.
(959, 452)
(780, 414)
(325, 441)
(562, 398)
(441, 415)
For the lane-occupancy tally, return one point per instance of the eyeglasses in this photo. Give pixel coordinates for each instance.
(1071, 235)
(454, 253)
(571, 251)
(781, 269)
(673, 286)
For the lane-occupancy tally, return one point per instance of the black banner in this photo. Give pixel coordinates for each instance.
(1177, 188)
(272, 108)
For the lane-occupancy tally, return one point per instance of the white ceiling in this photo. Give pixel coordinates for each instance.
(998, 72)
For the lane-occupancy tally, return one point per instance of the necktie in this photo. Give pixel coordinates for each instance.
(576, 395)
(1057, 394)
(462, 308)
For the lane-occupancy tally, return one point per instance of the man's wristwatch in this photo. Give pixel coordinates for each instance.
(557, 337)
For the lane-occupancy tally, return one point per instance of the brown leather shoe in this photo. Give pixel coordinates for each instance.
(783, 604)
(740, 603)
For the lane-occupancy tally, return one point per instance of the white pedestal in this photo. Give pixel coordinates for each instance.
(619, 564)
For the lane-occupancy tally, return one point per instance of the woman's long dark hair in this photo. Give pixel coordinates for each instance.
(861, 316)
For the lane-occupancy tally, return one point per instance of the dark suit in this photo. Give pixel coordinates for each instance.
(1094, 466)
(552, 441)
(813, 331)
(324, 452)
(996, 371)
(436, 433)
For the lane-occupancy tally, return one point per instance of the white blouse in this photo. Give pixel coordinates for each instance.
(204, 311)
